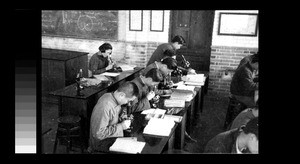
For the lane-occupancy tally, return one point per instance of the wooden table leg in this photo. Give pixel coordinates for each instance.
(171, 142)
(183, 124)
(59, 106)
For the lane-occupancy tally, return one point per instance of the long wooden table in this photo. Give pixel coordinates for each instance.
(70, 103)
(159, 144)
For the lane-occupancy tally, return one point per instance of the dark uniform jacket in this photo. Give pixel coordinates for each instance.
(98, 63)
(141, 102)
(242, 83)
(158, 54)
(223, 143)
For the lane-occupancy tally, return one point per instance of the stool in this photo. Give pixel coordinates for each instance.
(68, 128)
(234, 108)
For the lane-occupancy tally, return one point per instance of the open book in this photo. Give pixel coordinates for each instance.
(174, 118)
(126, 67)
(111, 74)
(174, 102)
(154, 113)
(184, 88)
(101, 77)
(182, 95)
(196, 80)
(127, 145)
(160, 127)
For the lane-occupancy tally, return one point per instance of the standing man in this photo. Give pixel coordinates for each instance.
(101, 61)
(105, 116)
(158, 54)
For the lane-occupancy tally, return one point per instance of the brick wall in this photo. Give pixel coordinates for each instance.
(223, 58)
(226, 53)
(136, 53)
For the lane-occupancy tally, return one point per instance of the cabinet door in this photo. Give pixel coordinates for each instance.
(53, 75)
(73, 66)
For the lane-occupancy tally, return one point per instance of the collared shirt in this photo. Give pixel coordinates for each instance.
(237, 148)
(105, 119)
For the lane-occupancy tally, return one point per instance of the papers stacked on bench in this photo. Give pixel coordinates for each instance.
(101, 77)
(196, 80)
(90, 82)
(111, 74)
(159, 127)
(126, 67)
(127, 145)
(173, 102)
(173, 118)
(154, 113)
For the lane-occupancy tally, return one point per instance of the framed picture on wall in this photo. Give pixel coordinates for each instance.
(238, 24)
(157, 20)
(135, 20)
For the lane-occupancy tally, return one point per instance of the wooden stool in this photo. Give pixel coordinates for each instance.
(68, 128)
(234, 108)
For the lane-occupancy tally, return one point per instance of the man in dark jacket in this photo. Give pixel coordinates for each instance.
(243, 140)
(243, 86)
(144, 83)
(158, 54)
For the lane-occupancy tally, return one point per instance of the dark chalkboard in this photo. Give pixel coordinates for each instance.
(90, 24)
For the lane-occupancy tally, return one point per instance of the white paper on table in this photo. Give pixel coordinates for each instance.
(198, 78)
(126, 145)
(126, 67)
(112, 74)
(101, 77)
(179, 83)
(194, 83)
(173, 118)
(91, 82)
(160, 127)
(185, 87)
(174, 102)
(180, 95)
(154, 113)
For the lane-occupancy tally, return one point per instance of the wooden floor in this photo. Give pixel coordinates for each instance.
(207, 125)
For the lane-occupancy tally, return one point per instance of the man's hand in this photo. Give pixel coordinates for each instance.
(110, 66)
(191, 71)
(150, 95)
(126, 124)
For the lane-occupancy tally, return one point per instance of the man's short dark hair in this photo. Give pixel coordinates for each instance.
(170, 62)
(178, 39)
(155, 74)
(129, 88)
(169, 53)
(254, 58)
(104, 47)
(252, 127)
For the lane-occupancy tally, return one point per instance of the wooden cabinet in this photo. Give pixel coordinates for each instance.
(60, 67)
